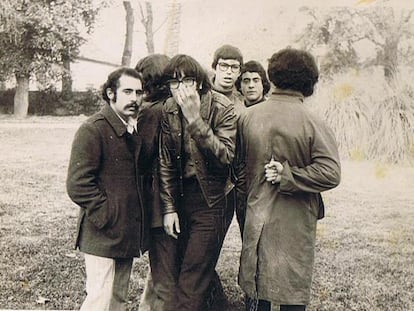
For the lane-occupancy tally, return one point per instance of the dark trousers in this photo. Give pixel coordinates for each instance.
(164, 275)
(235, 203)
(188, 263)
(264, 305)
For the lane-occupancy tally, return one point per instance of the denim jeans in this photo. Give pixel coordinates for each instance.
(163, 261)
(264, 305)
(188, 263)
(160, 286)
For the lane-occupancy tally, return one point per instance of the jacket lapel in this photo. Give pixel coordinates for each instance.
(138, 144)
(113, 120)
(205, 106)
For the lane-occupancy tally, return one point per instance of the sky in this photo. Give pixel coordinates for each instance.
(258, 27)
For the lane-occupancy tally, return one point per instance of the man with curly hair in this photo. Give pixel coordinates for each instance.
(253, 83)
(286, 157)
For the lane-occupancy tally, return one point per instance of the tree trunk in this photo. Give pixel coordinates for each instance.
(127, 54)
(67, 93)
(21, 97)
(173, 29)
(148, 28)
(390, 58)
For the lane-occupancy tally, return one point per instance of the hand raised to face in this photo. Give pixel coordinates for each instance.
(188, 99)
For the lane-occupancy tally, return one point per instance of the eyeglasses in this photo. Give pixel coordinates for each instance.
(225, 67)
(175, 83)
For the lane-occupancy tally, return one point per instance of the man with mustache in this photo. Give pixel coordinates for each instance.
(109, 177)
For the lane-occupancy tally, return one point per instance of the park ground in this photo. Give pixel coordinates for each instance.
(365, 247)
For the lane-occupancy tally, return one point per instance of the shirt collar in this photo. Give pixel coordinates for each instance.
(131, 125)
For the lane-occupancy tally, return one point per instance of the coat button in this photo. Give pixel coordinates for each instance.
(179, 134)
(178, 157)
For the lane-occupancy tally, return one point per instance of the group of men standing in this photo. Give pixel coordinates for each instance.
(170, 158)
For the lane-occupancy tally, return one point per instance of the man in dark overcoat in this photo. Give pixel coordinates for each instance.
(109, 177)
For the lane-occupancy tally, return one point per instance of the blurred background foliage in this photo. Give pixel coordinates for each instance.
(364, 52)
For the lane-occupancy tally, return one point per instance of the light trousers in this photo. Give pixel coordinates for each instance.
(107, 281)
(148, 296)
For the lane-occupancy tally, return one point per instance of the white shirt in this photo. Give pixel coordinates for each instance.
(131, 125)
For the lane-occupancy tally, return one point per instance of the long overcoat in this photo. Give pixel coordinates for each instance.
(110, 178)
(279, 234)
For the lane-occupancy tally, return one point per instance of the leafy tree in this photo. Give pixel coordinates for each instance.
(38, 36)
(340, 29)
(392, 28)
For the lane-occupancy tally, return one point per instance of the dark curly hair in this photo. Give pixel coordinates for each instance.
(292, 69)
(227, 52)
(191, 68)
(152, 67)
(253, 66)
(112, 81)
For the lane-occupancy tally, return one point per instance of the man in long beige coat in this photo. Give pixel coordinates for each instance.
(286, 157)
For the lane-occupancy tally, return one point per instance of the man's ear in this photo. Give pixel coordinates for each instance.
(110, 94)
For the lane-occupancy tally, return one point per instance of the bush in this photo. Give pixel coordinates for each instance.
(6, 101)
(50, 102)
(43, 102)
(86, 103)
(371, 118)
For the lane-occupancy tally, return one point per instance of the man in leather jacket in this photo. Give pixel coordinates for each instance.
(197, 146)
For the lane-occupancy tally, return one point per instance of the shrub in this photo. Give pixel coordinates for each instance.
(86, 103)
(371, 118)
(50, 102)
(6, 101)
(43, 102)
(393, 123)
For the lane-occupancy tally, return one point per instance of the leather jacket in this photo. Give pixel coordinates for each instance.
(212, 148)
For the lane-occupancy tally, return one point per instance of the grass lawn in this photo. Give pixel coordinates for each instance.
(365, 249)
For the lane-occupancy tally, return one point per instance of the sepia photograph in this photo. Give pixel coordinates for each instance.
(220, 155)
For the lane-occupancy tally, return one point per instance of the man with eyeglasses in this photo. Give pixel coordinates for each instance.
(109, 177)
(197, 145)
(226, 65)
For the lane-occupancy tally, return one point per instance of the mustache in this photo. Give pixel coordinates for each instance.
(132, 105)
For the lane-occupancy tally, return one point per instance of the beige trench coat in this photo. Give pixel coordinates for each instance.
(279, 235)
